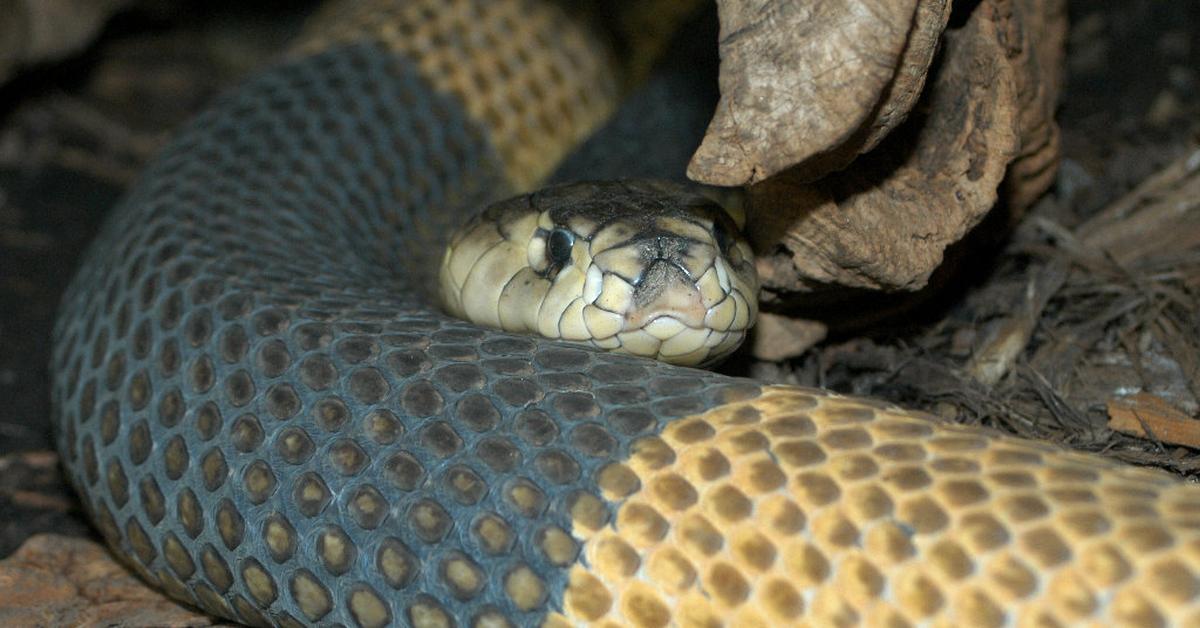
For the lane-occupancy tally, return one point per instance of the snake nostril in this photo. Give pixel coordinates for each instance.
(660, 276)
(670, 268)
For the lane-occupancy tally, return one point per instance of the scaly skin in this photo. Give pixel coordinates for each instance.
(263, 414)
(644, 271)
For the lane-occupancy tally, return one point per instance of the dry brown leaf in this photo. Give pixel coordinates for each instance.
(777, 337)
(902, 94)
(1035, 34)
(1147, 416)
(885, 222)
(812, 88)
(798, 79)
(55, 580)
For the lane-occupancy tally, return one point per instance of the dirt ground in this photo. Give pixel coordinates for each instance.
(1072, 333)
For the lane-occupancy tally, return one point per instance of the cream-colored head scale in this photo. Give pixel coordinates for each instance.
(643, 267)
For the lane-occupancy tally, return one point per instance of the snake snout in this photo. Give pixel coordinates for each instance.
(666, 290)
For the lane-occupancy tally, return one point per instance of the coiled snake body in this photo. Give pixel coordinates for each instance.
(264, 416)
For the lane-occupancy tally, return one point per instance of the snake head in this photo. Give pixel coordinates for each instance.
(648, 268)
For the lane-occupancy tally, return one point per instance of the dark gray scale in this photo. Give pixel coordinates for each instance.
(659, 125)
(259, 410)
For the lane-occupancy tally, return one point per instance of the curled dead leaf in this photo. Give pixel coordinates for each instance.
(55, 580)
(798, 79)
(884, 222)
(873, 147)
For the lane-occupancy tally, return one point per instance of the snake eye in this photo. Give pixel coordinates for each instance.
(723, 236)
(558, 247)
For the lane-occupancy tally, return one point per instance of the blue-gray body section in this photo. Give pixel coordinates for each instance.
(249, 337)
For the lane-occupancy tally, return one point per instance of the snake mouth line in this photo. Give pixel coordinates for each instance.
(689, 314)
(668, 317)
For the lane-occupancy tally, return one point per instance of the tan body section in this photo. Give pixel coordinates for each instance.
(532, 75)
(802, 508)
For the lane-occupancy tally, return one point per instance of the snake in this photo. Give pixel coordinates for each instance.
(269, 417)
